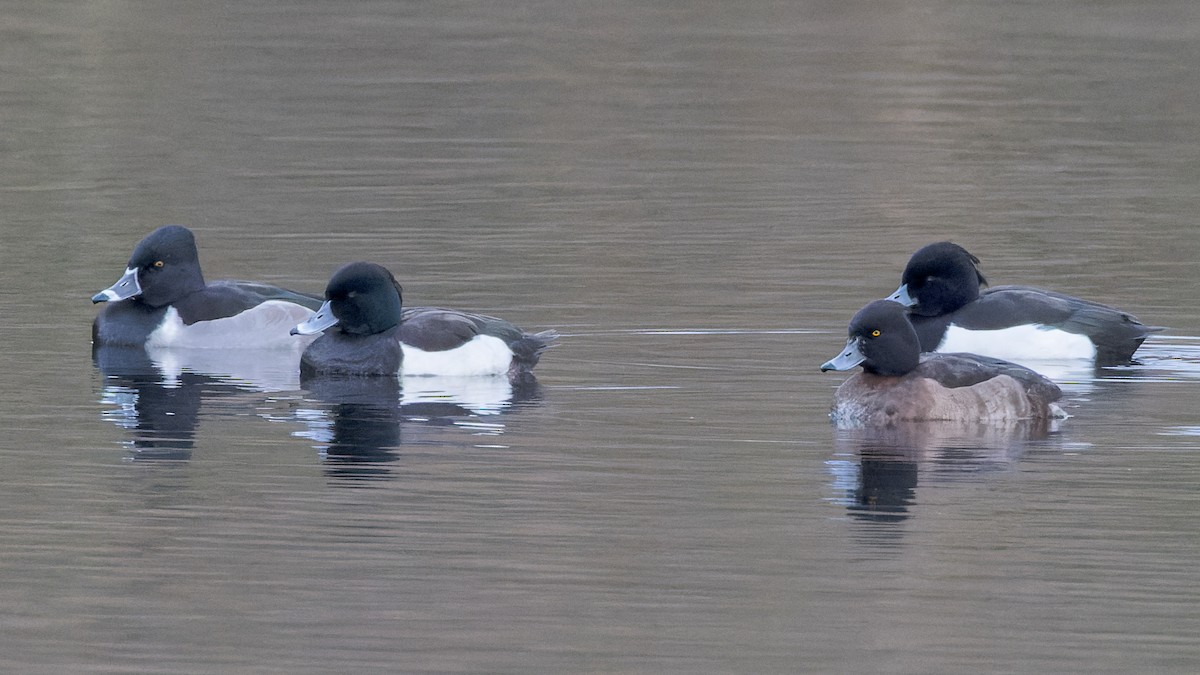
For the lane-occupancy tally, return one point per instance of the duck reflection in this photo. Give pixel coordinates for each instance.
(358, 423)
(160, 418)
(362, 423)
(359, 428)
(156, 395)
(876, 470)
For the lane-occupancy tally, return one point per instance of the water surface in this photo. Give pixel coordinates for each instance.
(698, 196)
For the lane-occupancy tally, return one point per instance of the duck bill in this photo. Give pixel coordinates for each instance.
(901, 296)
(126, 287)
(318, 322)
(851, 356)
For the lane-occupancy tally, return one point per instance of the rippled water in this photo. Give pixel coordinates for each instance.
(697, 196)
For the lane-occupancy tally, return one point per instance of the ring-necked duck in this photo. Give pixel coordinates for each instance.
(899, 383)
(375, 336)
(941, 285)
(162, 301)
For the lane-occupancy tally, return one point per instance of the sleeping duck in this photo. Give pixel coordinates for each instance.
(941, 285)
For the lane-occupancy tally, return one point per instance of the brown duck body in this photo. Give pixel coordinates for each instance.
(950, 387)
(900, 384)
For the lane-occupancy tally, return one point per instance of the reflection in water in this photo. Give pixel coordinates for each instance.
(362, 421)
(160, 417)
(1164, 358)
(603, 166)
(156, 394)
(357, 422)
(251, 369)
(876, 470)
(360, 428)
(1065, 370)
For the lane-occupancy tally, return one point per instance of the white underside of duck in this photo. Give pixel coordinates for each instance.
(482, 355)
(1020, 344)
(264, 326)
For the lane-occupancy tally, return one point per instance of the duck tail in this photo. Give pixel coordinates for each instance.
(528, 350)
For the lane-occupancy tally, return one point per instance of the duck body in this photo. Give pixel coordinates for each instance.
(337, 353)
(363, 300)
(162, 300)
(947, 387)
(451, 342)
(899, 384)
(941, 284)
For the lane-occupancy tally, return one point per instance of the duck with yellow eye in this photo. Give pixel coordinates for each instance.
(898, 383)
(162, 300)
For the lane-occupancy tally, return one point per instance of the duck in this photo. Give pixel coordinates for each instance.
(162, 300)
(366, 330)
(941, 286)
(898, 383)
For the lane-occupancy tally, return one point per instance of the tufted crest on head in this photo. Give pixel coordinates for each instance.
(365, 298)
(940, 278)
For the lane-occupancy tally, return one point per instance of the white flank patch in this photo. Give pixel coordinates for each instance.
(265, 326)
(1019, 343)
(483, 355)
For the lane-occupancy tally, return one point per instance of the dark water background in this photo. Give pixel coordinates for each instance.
(698, 196)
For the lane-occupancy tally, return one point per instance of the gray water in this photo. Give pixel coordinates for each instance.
(697, 196)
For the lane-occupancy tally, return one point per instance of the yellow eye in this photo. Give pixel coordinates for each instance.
(158, 263)
(875, 333)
